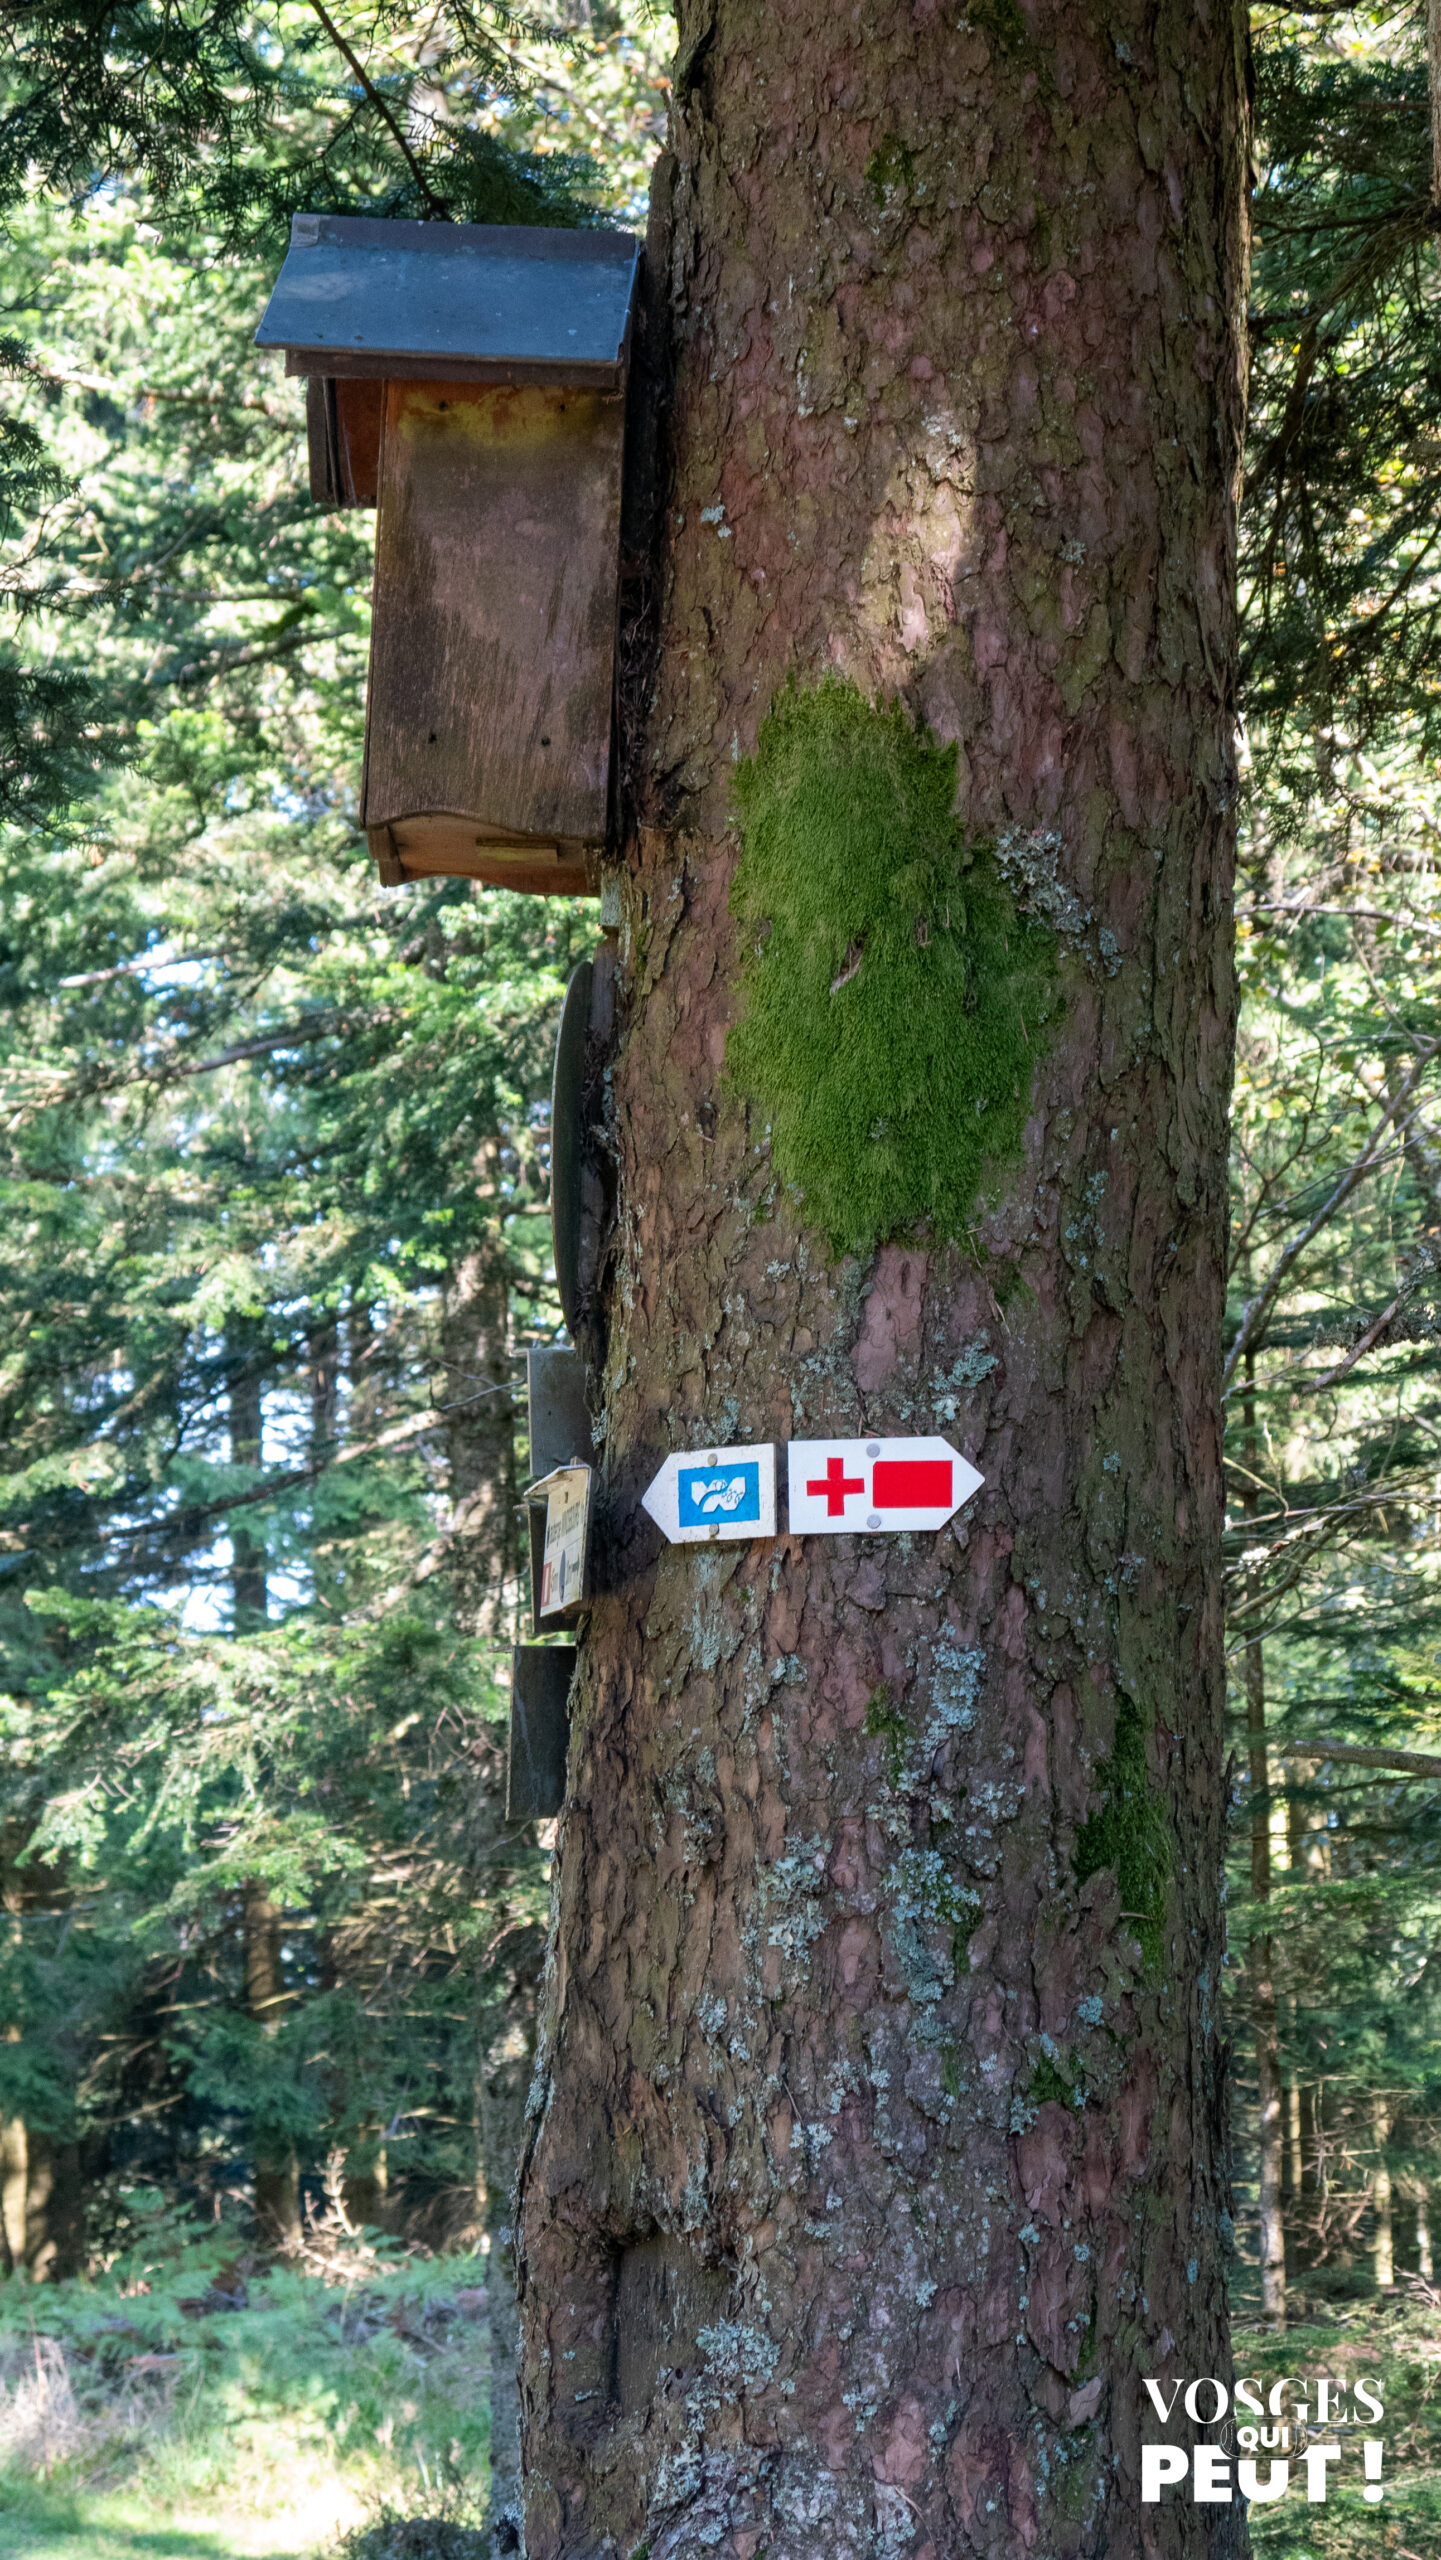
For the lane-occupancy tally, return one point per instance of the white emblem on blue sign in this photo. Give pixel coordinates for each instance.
(731, 1494)
(715, 1493)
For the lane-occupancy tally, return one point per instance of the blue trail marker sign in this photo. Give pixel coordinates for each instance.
(702, 1494)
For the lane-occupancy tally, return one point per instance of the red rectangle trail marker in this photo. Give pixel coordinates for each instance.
(838, 1487)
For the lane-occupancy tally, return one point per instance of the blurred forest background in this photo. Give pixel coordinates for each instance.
(274, 1235)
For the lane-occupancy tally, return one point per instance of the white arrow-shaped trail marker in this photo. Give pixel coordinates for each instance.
(702, 1494)
(845, 1485)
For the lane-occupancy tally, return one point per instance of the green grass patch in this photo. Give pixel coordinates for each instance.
(895, 1002)
(141, 2419)
(1399, 2343)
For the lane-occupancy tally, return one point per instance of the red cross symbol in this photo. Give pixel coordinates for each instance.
(835, 1485)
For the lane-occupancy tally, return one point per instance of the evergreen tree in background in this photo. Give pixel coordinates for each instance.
(275, 1168)
(1331, 1388)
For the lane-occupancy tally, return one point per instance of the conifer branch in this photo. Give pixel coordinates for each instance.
(1257, 1309)
(440, 210)
(1365, 1755)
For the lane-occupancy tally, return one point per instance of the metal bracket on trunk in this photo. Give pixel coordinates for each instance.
(540, 1678)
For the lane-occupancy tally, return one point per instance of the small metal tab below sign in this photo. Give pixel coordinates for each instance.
(566, 1543)
(841, 1486)
(704, 1494)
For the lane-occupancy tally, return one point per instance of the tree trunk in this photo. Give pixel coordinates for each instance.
(1433, 61)
(506, 2067)
(277, 2172)
(1265, 2028)
(1424, 2265)
(14, 2179)
(362, 1362)
(324, 1430)
(483, 1557)
(1264, 2024)
(249, 1598)
(54, 2208)
(878, 2155)
(1383, 2247)
(480, 1440)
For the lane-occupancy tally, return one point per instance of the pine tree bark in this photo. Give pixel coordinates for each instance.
(843, 2231)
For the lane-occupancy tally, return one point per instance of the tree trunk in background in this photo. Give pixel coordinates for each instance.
(277, 2174)
(42, 2203)
(362, 1368)
(484, 1556)
(1264, 2026)
(54, 2208)
(507, 2063)
(1383, 2248)
(480, 1441)
(324, 1433)
(1294, 2169)
(14, 2178)
(1433, 62)
(42, 2176)
(821, 2250)
(1424, 2265)
(248, 1558)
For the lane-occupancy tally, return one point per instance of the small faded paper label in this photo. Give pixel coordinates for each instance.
(567, 1506)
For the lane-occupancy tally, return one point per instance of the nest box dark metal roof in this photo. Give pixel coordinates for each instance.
(459, 302)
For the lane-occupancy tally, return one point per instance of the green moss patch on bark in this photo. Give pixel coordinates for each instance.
(1051, 2082)
(885, 1721)
(1129, 1834)
(895, 1002)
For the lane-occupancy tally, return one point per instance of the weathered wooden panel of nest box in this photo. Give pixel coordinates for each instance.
(489, 725)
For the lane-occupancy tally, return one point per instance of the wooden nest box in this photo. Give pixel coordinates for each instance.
(469, 381)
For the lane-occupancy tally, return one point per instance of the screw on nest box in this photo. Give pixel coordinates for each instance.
(468, 379)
